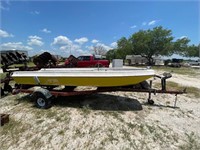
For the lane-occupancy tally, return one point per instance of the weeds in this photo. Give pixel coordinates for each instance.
(194, 91)
(175, 86)
(39, 121)
(130, 125)
(85, 110)
(192, 142)
(13, 130)
(36, 143)
(110, 135)
(190, 90)
(61, 132)
(182, 70)
(50, 113)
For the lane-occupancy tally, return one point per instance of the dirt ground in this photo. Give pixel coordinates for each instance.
(111, 120)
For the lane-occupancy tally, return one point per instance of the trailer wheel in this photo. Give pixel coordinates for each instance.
(8, 88)
(41, 101)
(150, 101)
(2, 92)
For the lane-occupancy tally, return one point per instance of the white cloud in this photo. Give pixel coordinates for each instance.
(144, 23)
(106, 47)
(14, 45)
(35, 41)
(113, 45)
(35, 37)
(134, 26)
(4, 34)
(182, 37)
(152, 22)
(73, 49)
(35, 12)
(67, 47)
(61, 40)
(89, 47)
(81, 40)
(46, 30)
(94, 41)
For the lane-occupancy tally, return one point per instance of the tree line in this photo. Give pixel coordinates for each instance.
(153, 42)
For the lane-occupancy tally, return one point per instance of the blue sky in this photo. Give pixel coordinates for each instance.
(64, 27)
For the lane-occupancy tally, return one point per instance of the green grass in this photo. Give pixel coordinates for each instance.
(192, 142)
(175, 86)
(194, 91)
(182, 70)
(29, 64)
(61, 132)
(2, 75)
(86, 110)
(190, 90)
(13, 130)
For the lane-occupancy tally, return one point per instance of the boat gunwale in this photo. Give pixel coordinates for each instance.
(85, 73)
(56, 75)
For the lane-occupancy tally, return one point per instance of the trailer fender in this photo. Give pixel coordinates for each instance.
(42, 98)
(42, 91)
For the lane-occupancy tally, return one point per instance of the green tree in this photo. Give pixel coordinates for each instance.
(111, 54)
(124, 47)
(192, 51)
(181, 46)
(151, 43)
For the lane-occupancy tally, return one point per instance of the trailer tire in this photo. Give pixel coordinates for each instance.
(8, 88)
(41, 101)
(2, 92)
(144, 85)
(150, 101)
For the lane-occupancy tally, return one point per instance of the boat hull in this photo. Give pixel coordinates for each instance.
(82, 81)
(83, 77)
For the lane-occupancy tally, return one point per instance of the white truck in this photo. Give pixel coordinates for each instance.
(195, 63)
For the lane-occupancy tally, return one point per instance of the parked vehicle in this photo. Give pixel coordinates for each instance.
(87, 61)
(195, 63)
(176, 63)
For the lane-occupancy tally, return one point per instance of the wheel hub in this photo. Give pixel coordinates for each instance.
(41, 102)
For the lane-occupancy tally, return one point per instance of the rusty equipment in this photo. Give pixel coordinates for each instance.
(71, 61)
(11, 57)
(4, 118)
(45, 60)
(8, 58)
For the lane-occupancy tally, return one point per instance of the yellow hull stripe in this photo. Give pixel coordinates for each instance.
(82, 81)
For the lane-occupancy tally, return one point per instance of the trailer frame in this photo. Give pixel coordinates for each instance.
(43, 96)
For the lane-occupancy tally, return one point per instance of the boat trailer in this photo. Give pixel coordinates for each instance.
(43, 95)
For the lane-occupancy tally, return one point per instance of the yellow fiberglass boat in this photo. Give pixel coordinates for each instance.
(99, 77)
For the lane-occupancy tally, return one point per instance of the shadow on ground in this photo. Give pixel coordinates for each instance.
(100, 102)
(93, 102)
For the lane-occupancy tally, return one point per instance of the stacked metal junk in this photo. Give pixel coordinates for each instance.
(10, 57)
